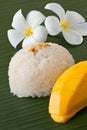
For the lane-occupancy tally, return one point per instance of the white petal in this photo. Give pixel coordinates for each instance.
(14, 37)
(80, 28)
(28, 41)
(35, 18)
(74, 17)
(52, 25)
(19, 22)
(73, 38)
(56, 8)
(40, 34)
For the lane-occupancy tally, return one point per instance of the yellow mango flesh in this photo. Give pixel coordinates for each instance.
(69, 94)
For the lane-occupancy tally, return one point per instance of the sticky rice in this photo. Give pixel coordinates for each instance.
(33, 71)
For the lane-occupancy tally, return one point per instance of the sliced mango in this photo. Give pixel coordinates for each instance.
(69, 94)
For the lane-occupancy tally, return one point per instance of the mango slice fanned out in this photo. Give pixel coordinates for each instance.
(69, 94)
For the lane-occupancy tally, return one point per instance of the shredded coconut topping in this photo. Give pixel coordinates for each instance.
(37, 47)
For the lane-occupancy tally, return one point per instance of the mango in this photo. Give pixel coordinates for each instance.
(69, 94)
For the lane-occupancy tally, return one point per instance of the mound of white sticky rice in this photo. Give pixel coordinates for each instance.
(33, 71)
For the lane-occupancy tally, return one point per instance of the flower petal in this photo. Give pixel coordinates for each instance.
(80, 28)
(52, 25)
(14, 37)
(40, 34)
(74, 17)
(28, 41)
(56, 8)
(73, 38)
(35, 18)
(19, 22)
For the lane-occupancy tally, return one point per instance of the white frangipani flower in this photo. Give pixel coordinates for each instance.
(71, 24)
(30, 29)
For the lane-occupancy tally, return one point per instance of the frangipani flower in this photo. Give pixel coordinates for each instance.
(30, 29)
(71, 24)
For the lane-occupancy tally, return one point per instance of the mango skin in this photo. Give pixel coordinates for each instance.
(69, 94)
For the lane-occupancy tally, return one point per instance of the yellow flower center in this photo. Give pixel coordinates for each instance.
(64, 25)
(28, 32)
